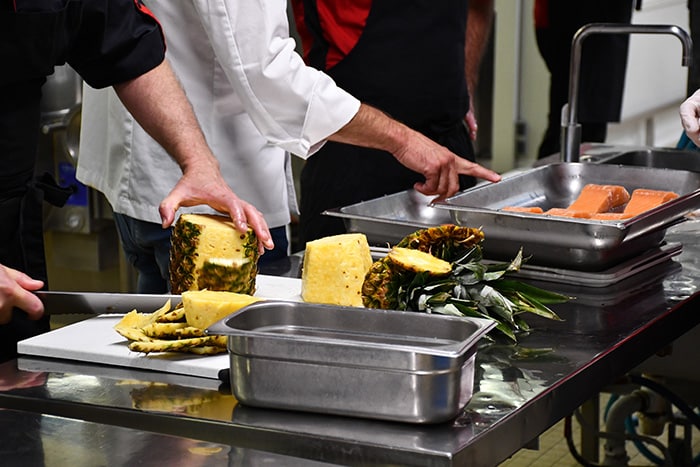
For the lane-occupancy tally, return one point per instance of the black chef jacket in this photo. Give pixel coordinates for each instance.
(106, 42)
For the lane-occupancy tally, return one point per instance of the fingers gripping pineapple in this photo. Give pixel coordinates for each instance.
(208, 252)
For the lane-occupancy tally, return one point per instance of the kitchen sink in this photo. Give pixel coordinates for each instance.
(660, 158)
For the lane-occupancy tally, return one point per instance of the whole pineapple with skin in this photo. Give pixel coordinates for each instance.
(207, 252)
(447, 241)
(384, 278)
(455, 281)
(382, 282)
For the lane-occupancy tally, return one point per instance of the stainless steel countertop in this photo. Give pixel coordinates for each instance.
(606, 333)
(33, 439)
(39, 439)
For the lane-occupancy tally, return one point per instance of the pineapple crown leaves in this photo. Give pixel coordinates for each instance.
(446, 241)
(475, 289)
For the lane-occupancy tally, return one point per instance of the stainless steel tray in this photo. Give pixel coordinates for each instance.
(392, 365)
(582, 244)
(601, 279)
(388, 219)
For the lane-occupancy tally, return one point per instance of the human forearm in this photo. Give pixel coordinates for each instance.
(158, 103)
(479, 23)
(440, 167)
(372, 128)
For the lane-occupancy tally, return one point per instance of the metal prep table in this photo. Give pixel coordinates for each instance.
(518, 394)
(33, 439)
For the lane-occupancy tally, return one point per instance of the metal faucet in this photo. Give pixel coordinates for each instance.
(570, 128)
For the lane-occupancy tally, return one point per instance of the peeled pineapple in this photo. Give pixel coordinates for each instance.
(208, 252)
(334, 269)
(419, 261)
(205, 307)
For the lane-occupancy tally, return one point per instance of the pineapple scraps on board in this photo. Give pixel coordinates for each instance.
(182, 329)
(406, 280)
(160, 332)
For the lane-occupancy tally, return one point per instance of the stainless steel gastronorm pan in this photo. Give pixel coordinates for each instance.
(392, 365)
(390, 218)
(582, 244)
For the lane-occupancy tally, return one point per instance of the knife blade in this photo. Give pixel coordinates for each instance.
(97, 303)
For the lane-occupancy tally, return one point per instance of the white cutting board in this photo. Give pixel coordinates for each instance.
(94, 340)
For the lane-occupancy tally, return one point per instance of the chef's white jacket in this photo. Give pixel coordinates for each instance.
(254, 98)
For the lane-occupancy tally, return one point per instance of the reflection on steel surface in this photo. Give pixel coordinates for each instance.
(683, 284)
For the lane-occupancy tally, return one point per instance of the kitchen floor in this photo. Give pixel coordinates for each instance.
(553, 449)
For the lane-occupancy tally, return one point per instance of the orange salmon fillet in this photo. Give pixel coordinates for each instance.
(600, 198)
(610, 216)
(531, 209)
(620, 195)
(643, 199)
(566, 212)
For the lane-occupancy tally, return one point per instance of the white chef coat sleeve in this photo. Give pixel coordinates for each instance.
(294, 106)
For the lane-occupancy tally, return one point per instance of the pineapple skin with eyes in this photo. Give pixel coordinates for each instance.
(207, 252)
(385, 278)
(334, 269)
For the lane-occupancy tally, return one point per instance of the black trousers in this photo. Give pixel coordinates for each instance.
(21, 202)
(603, 60)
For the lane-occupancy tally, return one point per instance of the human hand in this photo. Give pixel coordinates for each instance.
(690, 117)
(472, 126)
(440, 167)
(470, 120)
(12, 378)
(204, 184)
(159, 104)
(16, 291)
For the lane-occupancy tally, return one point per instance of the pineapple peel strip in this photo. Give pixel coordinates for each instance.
(167, 330)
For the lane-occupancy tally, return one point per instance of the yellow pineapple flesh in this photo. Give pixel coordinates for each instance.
(419, 261)
(205, 307)
(334, 269)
